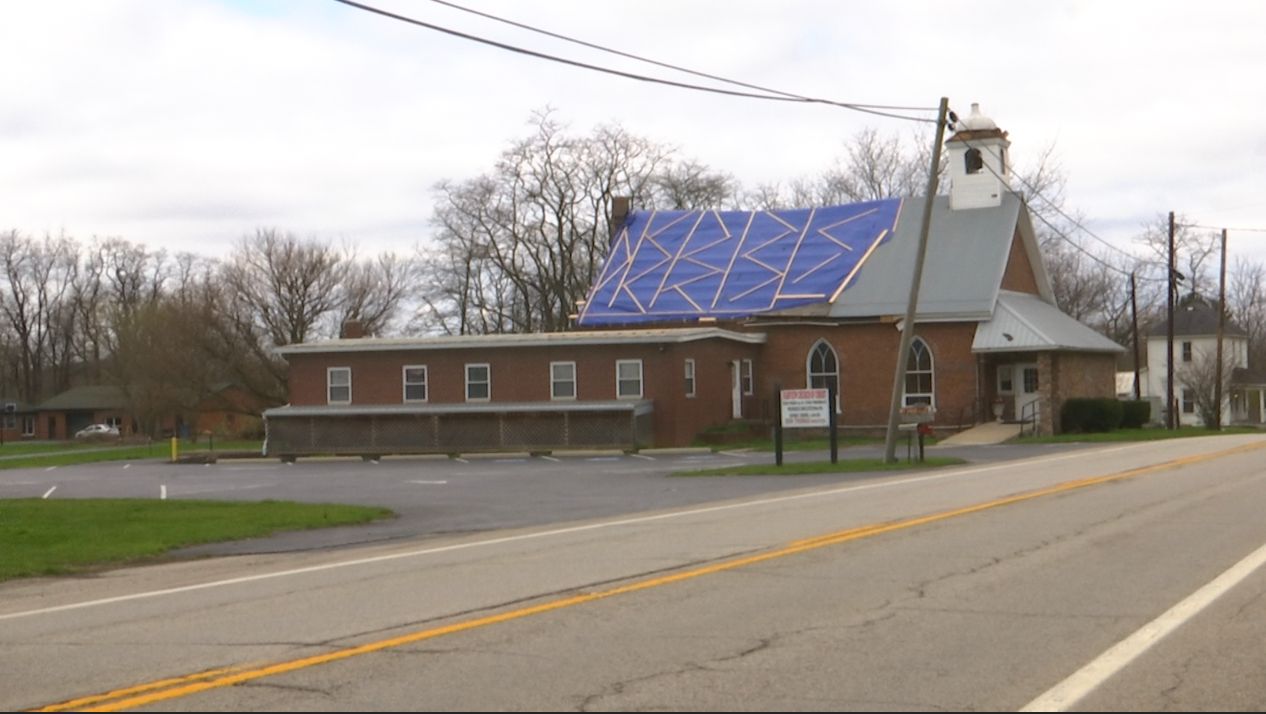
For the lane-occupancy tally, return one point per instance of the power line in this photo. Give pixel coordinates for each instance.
(1222, 228)
(667, 65)
(626, 75)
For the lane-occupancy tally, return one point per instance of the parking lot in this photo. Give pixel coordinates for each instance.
(443, 495)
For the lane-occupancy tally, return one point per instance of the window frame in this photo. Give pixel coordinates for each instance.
(810, 374)
(747, 376)
(330, 385)
(554, 381)
(487, 381)
(688, 372)
(28, 425)
(405, 384)
(641, 375)
(1009, 370)
(1188, 399)
(1187, 351)
(930, 394)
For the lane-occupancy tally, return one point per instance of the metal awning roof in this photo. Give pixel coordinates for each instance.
(534, 339)
(634, 406)
(1023, 322)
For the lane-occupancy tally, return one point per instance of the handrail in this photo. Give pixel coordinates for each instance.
(1031, 410)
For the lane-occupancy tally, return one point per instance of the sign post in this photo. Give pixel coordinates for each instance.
(805, 409)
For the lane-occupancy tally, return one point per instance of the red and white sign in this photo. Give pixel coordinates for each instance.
(805, 408)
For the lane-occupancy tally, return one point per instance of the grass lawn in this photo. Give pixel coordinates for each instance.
(1145, 434)
(58, 537)
(823, 467)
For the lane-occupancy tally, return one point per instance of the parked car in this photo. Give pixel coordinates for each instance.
(97, 431)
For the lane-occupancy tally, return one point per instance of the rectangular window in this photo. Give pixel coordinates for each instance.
(562, 380)
(116, 422)
(1005, 385)
(690, 378)
(1030, 380)
(628, 379)
(414, 378)
(1186, 352)
(478, 382)
(28, 426)
(1188, 402)
(749, 384)
(338, 385)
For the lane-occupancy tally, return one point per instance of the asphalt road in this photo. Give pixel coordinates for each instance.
(1123, 577)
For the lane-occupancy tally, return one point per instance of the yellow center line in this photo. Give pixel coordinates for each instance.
(172, 688)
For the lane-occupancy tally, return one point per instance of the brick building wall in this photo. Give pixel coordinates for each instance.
(1019, 275)
(522, 374)
(866, 356)
(1072, 375)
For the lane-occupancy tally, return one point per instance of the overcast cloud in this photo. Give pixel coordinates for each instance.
(185, 125)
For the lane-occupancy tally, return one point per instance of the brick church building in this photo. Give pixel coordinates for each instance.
(700, 316)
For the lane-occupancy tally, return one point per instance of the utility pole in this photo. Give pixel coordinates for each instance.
(1171, 419)
(1217, 386)
(907, 329)
(1134, 320)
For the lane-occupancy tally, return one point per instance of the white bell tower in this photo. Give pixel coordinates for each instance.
(978, 168)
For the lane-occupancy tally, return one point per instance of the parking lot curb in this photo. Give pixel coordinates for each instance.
(415, 457)
(587, 452)
(677, 450)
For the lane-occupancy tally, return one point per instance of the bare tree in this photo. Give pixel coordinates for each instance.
(1195, 251)
(285, 284)
(374, 291)
(36, 277)
(517, 248)
(1200, 377)
(1246, 304)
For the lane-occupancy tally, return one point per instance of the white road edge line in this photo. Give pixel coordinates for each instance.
(1070, 691)
(564, 531)
(49, 492)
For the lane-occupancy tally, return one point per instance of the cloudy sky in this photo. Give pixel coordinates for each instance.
(186, 124)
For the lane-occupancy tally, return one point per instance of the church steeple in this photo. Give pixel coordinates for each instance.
(978, 167)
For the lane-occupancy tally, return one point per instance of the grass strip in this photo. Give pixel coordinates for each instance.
(56, 537)
(1144, 434)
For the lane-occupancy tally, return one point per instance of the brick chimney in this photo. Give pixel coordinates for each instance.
(351, 330)
(619, 214)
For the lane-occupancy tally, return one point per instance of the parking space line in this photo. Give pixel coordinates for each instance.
(460, 460)
(429, 483)
(49, 492)
(603, 458)
(162, 492)
(50, 468)
(509, 461)
(547, 457)
(643, 456)
(127, 466)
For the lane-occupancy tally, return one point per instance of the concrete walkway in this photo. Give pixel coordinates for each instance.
(987, 433)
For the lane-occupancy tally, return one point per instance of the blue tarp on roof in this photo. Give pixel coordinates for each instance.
(672, 265)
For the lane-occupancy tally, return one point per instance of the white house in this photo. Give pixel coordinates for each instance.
(1195, 351)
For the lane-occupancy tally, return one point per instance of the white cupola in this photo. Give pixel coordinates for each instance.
(978, 169)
